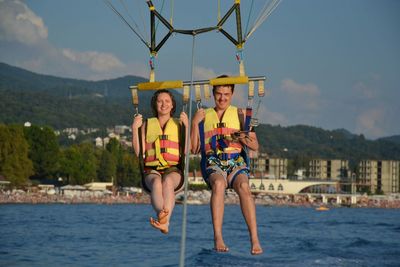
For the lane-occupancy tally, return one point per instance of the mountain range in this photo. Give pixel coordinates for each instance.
(64, 103)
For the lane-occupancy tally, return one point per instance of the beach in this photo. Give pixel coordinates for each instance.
(197, 198)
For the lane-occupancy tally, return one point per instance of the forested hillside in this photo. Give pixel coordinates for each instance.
(61, 103)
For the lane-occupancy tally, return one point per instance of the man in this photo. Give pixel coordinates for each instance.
(216, 132)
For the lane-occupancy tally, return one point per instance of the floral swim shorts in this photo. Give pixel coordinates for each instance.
(229, 169)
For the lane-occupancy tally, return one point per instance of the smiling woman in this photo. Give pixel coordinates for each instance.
(158, 143)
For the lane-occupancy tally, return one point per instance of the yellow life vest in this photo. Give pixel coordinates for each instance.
(218, 132)
(162, 147)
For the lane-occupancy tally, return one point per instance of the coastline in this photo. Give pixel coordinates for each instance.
(196, 198)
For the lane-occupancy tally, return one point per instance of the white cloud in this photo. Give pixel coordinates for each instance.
(18, 23)
(96, 61)
(292, 87)
(369, 122)
(267, 116)
(201, 73)
(364, 91)
(301, 97)
(24, 37)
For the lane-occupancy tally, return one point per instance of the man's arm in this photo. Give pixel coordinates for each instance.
(248, 139)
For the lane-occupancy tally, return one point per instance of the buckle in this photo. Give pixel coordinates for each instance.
(220, 137)
(163, 137)
(221, 125)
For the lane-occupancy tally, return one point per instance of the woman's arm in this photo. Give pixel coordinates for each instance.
(137, 123)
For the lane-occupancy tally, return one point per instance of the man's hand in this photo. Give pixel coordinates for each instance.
(199, 116)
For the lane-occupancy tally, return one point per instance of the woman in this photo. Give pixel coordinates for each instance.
(161, 143)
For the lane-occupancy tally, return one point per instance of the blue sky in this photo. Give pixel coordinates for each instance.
(330, 64)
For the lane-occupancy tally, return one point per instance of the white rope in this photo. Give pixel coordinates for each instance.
(186, 172)
(133, 21)
(264, 14)
(110, 5)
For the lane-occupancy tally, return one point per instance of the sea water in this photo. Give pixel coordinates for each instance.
(120, 235)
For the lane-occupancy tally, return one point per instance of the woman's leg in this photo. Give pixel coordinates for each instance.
(154, 183)
(169, 183)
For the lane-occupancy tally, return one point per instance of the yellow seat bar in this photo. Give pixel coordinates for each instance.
(229, 80)
(160, 85)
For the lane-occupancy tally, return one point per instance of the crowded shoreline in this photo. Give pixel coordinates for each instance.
(196, 198)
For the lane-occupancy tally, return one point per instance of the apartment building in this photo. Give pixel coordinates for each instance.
(271, 167)
(379, 176)
(329, 169)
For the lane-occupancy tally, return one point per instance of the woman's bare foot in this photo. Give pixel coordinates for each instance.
(163, 227)
(256, 249)
(162, 216)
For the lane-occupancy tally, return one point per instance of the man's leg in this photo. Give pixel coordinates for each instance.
(218, 186)
(242, 188)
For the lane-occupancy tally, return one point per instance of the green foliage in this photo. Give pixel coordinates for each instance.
(43, 151)
(194, 164)
(108, 167)
(78, 164)
(128, 170)
(15, 165)
(300, 143)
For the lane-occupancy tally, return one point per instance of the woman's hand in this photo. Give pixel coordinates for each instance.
(184, 119)
(137, 122)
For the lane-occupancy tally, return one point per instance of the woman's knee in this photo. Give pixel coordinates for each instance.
(171, 181)
(153, 180)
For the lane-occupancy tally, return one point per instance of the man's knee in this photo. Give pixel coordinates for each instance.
(218, 184)
(241, 186)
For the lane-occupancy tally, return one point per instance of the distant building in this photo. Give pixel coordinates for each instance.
(99, 186)
(379, 176)
(273, 167)
(120, 129)
(98, 142)
(277, 168)
(328, 169)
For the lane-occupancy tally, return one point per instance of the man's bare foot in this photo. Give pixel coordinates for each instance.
(163, 227)
(162, 216)
(219, 246)
(256, 249)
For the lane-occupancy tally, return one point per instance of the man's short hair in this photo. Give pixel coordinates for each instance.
(230, 85)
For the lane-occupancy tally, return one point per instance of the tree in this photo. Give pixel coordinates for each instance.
(108, 167)
(14, 162)
(128, 173)
(43, 151)
(78, 164)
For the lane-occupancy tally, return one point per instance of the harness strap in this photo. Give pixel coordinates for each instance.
(158, 151)
(249, 113)
(227, 156)
(203, 161)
